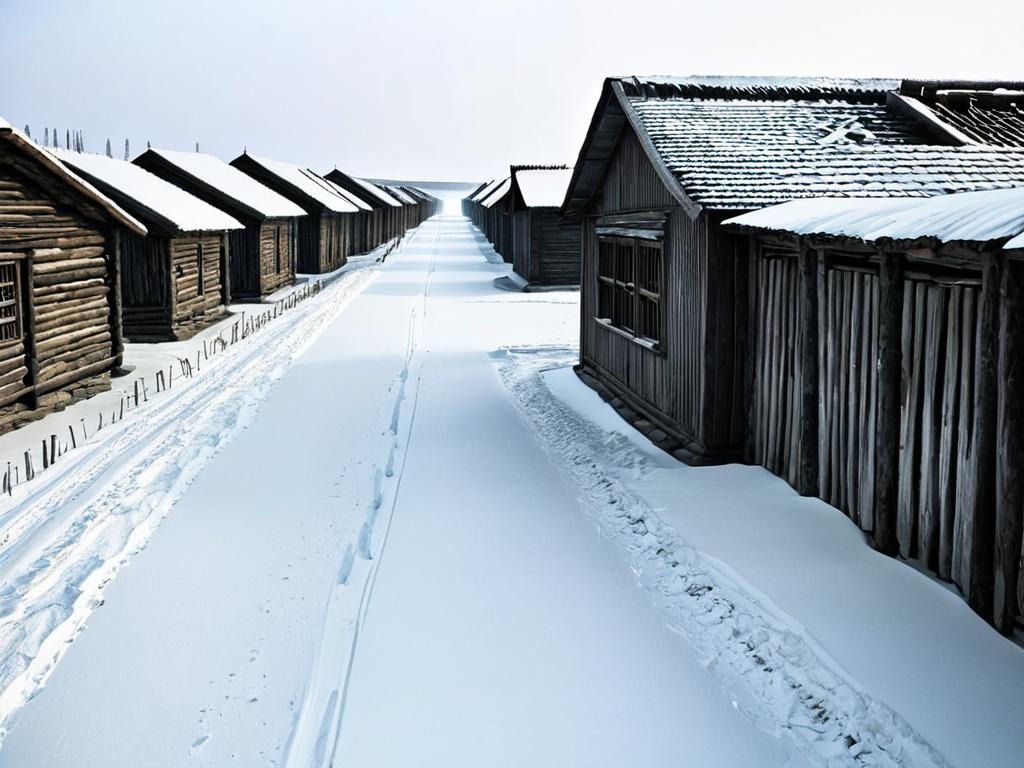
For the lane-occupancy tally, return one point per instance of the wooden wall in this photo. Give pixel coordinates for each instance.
(693, 385)
(66, 338)
(545, 251)
(885, 404)
(277, 237)
(192, 309)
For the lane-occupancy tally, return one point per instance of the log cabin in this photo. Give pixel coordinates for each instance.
(175, 279)
(262, 256)
(885, 339)
(383, 223)
(471, 205)
(409, 216)
(496, 218)
(545, 251)
(324, 237)
(360, 224)
(664, 288)
(60, 314)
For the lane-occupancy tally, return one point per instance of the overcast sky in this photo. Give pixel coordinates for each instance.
(453, 89)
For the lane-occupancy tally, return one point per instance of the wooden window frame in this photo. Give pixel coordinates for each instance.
(10, 308)
(627, 294)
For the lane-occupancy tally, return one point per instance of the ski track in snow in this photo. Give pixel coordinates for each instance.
(317, 728)
(69, 534)
(773, 670)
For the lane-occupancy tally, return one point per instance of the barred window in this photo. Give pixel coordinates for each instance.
(629, 286)
(10, 301)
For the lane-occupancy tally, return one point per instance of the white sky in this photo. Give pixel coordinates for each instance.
(453, 89)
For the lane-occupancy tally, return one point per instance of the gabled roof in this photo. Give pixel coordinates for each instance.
(302, 181)
(541, 187)
(148, 196)
(47, 164)
(744, 143)
(991, 114)
(398, 194)
(484, 191)
(497, 193)
(224, 180)
(476, 189)
(357, 201)
(991, 215)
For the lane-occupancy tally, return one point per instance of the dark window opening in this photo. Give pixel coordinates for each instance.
(277, 250)
(629, 279)
(10, 302)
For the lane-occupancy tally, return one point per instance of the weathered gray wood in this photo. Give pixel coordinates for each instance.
(1009, 447)
(887, 429)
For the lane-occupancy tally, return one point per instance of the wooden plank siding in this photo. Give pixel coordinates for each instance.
(693, 385)
(544, 250)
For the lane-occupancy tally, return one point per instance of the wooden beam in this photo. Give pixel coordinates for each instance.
(981, 539)
(1009, 447)
(809, 394)
(887, 429)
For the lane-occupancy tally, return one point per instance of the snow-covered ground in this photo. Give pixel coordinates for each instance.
(403, 533)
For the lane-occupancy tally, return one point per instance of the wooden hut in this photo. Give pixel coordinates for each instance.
(472, 208)
(174, 279)
(664, 288)
(262, 255)
(885, 340)
(545, 250)
(496, 218)
(60, 314)
(384, 222)
(325, 235)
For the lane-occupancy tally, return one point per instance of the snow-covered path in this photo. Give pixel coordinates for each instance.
(496, 627)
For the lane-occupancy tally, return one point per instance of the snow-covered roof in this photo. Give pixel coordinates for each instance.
(543, 187)
(308, 183)
(45, 158)
(357, 201)
(497, 193)
(966, 216)
(733, 86)
(377, 192)
(485, 190)
(231, 182)
(171, 205)
(399, 195)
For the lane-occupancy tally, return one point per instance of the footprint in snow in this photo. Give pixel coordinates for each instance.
(200, 741)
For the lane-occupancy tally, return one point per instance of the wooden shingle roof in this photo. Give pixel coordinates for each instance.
(744, 143)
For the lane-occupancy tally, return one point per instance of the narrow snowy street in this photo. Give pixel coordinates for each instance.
(490, 624)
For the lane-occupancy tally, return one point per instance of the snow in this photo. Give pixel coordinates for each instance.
(892, 659)
(175, 205)
(355, 200)
(964, 216)
(232, 182)
(398, 194)
(459, 556)
(491, 624)
(497, 193)
(487, 189)
(309, 183)
(377, 192)
(543, 187)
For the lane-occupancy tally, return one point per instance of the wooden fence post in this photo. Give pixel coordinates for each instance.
(887, 427)
(1010, 447)
(809, 394)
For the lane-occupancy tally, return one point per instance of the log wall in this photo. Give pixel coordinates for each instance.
(65, 339)
(276, 254)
